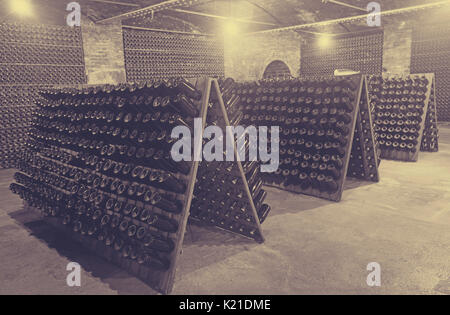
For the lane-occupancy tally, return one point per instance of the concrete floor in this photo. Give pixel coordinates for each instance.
(312, 245)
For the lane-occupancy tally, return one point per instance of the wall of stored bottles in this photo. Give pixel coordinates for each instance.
(155, 55)
(32, 57)
(361, 53)
(430, 54)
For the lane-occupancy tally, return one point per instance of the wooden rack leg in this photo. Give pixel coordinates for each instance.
(206, 88)
(241, 169)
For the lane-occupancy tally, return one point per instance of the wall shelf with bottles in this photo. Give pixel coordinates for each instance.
(32, 57)
(150, 54)
(360, 52)
(325, 131)
(404, 110)
(430, 52)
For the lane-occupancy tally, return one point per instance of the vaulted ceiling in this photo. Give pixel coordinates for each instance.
(266, 13)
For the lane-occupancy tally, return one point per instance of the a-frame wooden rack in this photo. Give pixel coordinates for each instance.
(360, 148)
(427, 129)
(232, 214)
(163, 281)
(430, 138)
(364, 156)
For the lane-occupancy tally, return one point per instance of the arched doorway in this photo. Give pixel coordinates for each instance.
(277, 69)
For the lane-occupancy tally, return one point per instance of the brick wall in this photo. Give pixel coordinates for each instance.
(397, 48)
(247, 57)
(103, 53)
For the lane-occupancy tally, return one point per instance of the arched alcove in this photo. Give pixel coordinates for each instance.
(277, 69)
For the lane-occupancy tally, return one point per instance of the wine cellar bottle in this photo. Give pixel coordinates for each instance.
(31, 59)
(100, 164)
(315, 122)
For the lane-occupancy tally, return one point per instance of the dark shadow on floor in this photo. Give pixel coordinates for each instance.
(197, 253)
(116, 278)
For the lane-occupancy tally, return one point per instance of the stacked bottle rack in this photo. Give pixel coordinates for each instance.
(318, 121)
(99, 168)
(224, 197)
(405, 115)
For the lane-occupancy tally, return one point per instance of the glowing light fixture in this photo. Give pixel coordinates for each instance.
(324, 41)
(231, 27)
(21, 7)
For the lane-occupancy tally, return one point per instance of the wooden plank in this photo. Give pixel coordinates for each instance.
(238, 162)
(167, 284)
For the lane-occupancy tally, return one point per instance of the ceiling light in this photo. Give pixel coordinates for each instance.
(231, 27)
(324, 41)
(21, 7)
